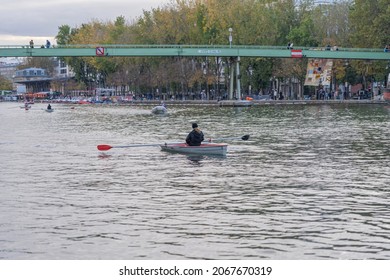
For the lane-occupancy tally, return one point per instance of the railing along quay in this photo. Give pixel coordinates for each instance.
(252, 103)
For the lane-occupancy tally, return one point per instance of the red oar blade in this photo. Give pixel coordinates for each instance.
(104, 147)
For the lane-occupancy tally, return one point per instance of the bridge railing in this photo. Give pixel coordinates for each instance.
(120, 46)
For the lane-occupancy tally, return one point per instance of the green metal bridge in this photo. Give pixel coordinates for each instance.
(192, 51)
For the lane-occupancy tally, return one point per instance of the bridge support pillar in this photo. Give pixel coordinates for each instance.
(235, 75)
(231, 80)
(238, 79)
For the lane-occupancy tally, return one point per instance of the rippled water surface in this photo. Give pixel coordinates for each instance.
(312, 182)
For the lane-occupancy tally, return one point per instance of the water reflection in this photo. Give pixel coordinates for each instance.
(199, 158)
(312, 182)
(195, 158)
(104, 155)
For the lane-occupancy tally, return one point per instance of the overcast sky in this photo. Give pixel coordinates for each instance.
(23, 20)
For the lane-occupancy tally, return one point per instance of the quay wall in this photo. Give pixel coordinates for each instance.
(254, 103)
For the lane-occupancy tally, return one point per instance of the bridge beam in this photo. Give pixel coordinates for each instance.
(190, 51)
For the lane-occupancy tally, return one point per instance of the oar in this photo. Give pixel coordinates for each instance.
(245, 137)
(105, 147)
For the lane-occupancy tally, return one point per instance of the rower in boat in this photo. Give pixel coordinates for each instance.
(195, 137)
(49, 109)
(207, 148)
(160, 109)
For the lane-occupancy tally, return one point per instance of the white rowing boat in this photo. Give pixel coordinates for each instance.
(204, 149)
(159, 110)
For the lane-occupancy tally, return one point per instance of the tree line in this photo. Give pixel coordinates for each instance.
(306, 23)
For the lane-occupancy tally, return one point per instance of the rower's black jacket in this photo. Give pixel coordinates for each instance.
(195, 138)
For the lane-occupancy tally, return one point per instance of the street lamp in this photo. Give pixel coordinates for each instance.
(231, 67)
(230, 37)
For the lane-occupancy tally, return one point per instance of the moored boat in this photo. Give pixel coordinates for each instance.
(204, 149)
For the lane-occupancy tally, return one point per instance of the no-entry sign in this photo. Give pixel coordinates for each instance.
(296, 53)
(100, 51)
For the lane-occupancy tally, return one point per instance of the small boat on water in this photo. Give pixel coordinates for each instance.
(208, 148)
(203, 149)
(159, 110)
(49, 110)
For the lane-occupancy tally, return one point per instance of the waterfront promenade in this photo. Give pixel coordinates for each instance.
(227, 103)
(253, 102)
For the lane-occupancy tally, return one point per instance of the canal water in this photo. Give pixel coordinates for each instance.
(312, 182)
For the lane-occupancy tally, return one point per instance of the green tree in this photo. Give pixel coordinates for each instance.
(370, 21)
(5, 84)
(303, 35)
(360, 23)
(64, 34)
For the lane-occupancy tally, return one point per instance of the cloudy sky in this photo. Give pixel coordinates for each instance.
(23, 20)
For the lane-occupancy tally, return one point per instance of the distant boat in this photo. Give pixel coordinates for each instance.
(83, 102)
(159, 110)
(49, 110)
